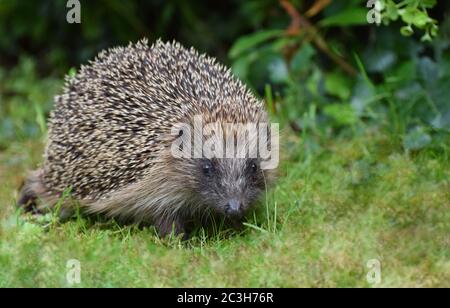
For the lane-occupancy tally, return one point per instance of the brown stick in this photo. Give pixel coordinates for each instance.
(296, 21)
(318, 6)
(300, 23)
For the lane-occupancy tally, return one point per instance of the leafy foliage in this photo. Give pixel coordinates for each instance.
(385, 79)
(412, 12)
(25, 99)
(317, 60)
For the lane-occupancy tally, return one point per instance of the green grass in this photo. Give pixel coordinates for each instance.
(332, 210)
(339, 202)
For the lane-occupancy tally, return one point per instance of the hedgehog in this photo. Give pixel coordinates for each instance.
(113, 131)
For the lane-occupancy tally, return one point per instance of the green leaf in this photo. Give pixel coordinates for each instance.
(338, 84)
(268, 65)
(343, 114)
(407, 30)
(247, 42)
(301, 60)
(349, 17)
(442, 121)
(410, 90)
(426, 37)
(72, 72)
(379, 60)
(240, 67)
(416, 139)
(412, 15)
(404, 71)
(428, 70)
(363, 94)
(278, 71)
(391, 11)
(428, 3)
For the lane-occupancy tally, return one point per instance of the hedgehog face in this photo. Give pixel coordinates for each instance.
(230, 186)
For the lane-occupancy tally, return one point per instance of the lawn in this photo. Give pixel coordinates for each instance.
(363, 193)
(335, 209)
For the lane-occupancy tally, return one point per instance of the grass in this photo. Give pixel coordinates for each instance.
(339, 203)
(332, 210)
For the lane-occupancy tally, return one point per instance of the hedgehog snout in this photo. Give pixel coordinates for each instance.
(234, 209)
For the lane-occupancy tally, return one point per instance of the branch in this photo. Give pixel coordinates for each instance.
(318, 6)
(300, 23)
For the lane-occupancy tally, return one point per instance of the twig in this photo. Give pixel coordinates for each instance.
(318, 6)
(300, 23)
(296, 20)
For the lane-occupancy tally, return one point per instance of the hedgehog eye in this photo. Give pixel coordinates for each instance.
(207, 168)
(254, 167)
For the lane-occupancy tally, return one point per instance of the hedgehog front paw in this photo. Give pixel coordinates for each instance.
(171, 227)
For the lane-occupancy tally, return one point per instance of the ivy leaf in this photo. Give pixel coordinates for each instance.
(278, 70)
(416, 139)
(428, 70)
(379, 60)
(363, 93)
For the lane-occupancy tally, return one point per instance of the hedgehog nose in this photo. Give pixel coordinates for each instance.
(233, 208)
